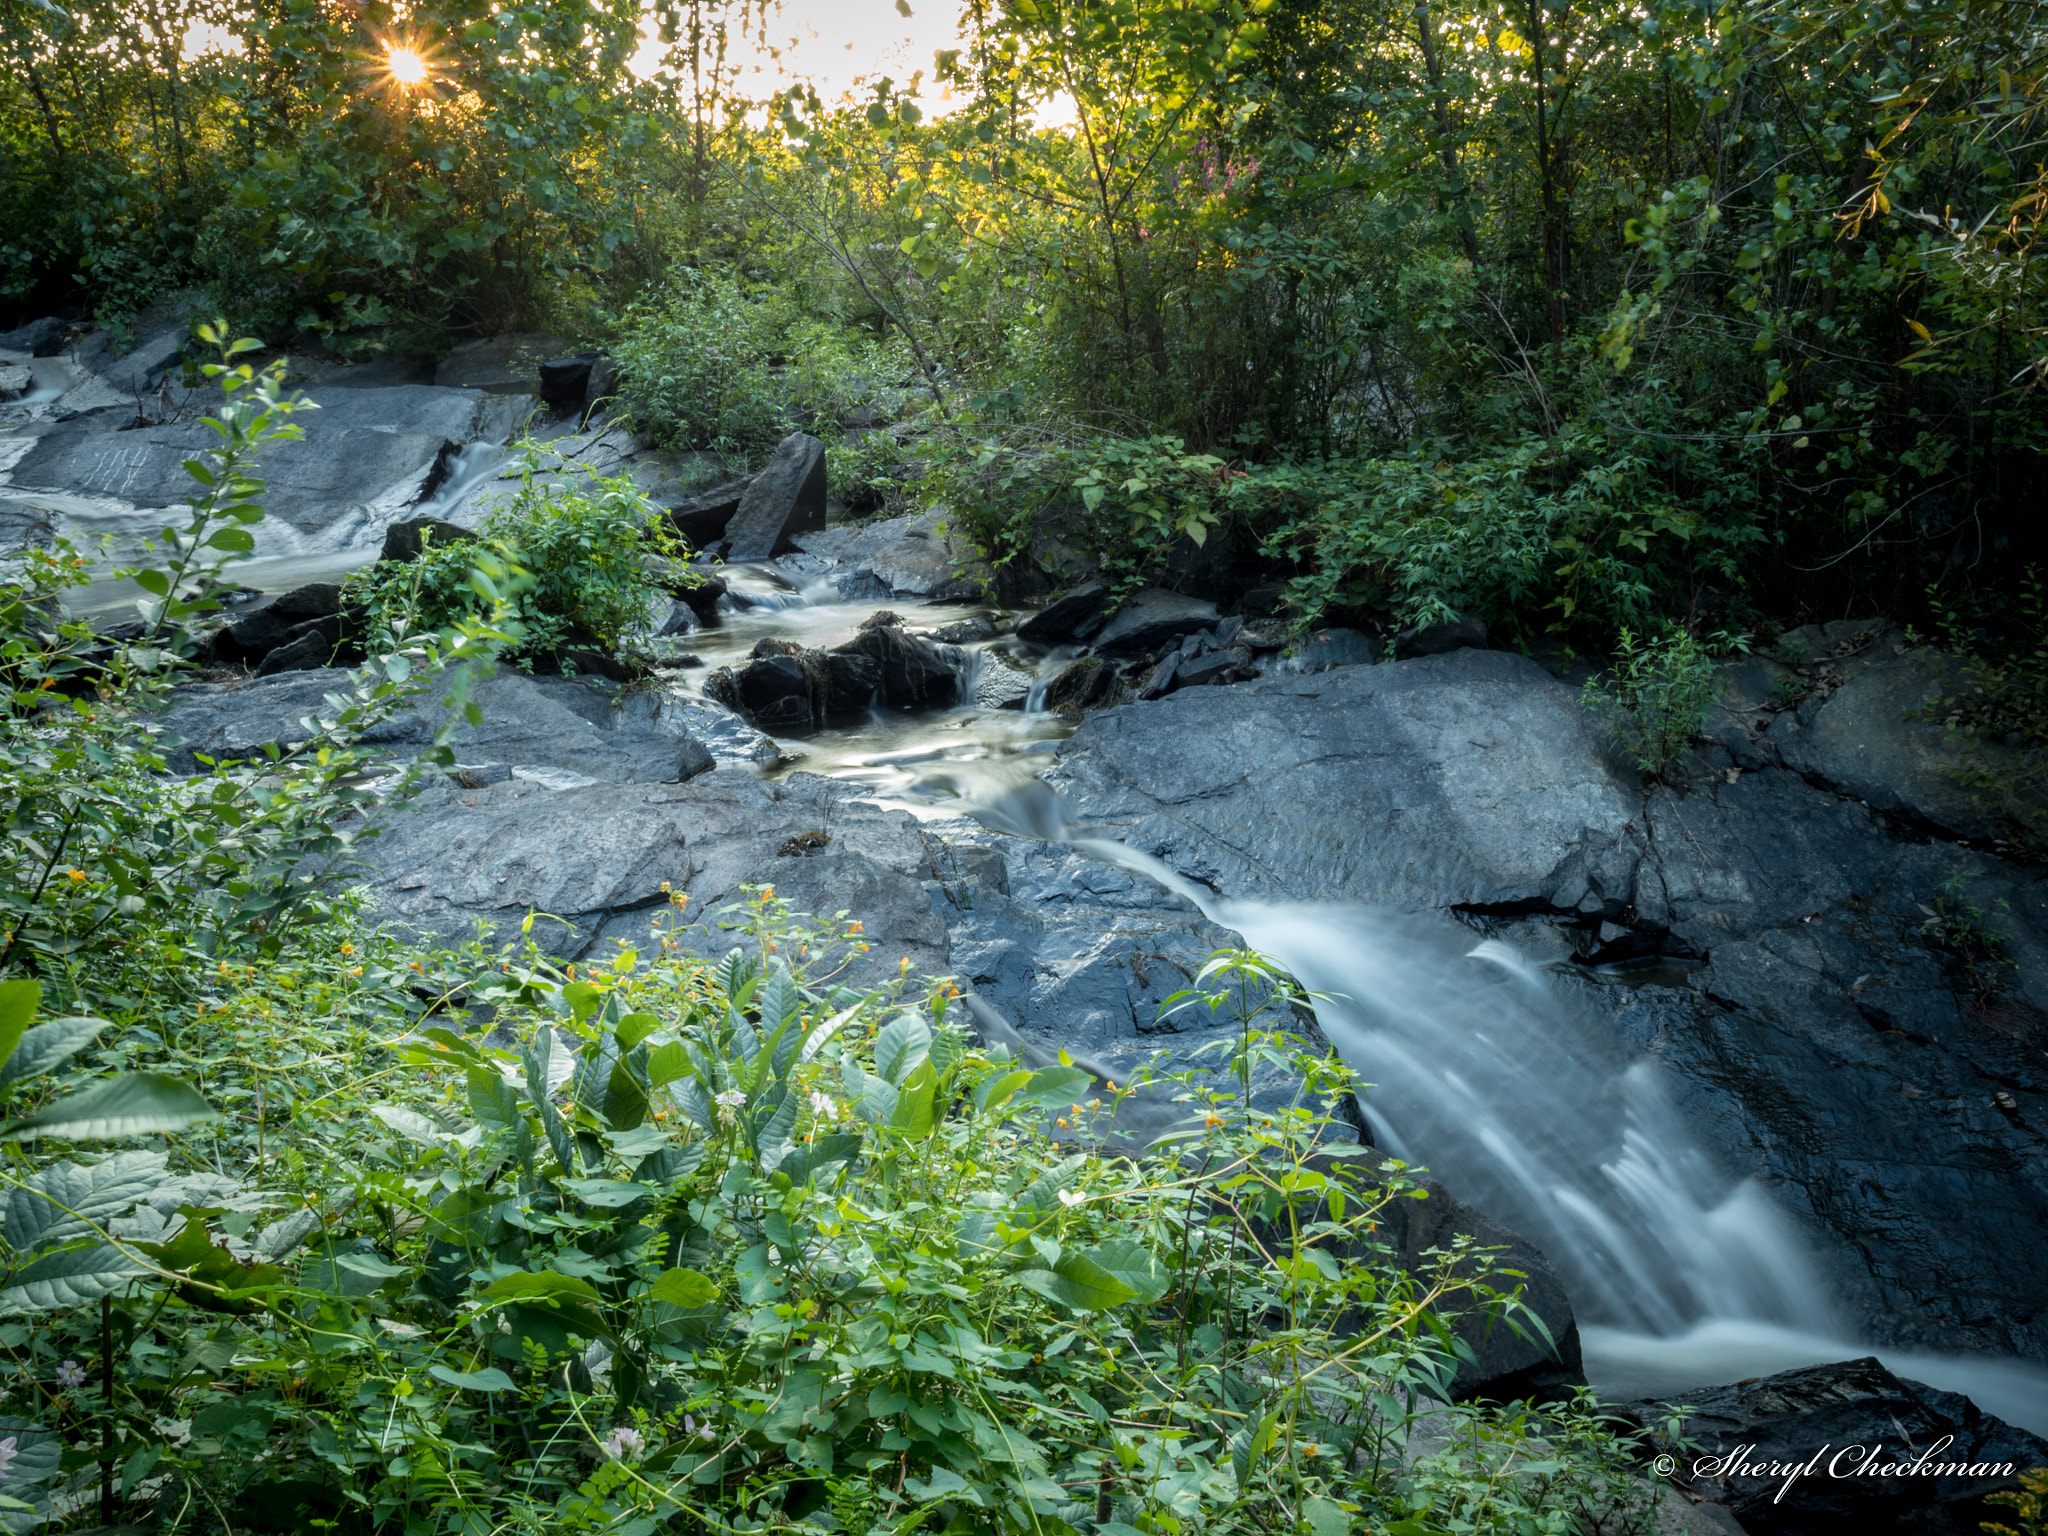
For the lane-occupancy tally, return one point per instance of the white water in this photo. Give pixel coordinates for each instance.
(1524, 1103)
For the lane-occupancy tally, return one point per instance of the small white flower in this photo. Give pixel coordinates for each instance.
(728, 1104)
(822, 1105)
(70, 1375)
(8, 1451)
(623, 1442)
(1069, 1199)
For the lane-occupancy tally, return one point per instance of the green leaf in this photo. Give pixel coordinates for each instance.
(901, 1047)
(1133, 1265)
(1325, 1517)
(489, 1379)
(49, 1046)
(608, 1194)
(156, 583)
(65, 1201)
(684, 1288)
(544, 1286)
(1055, 1085)
(69, 1279)
(1077, 1281)
(18, 1002)
(199, 471)
(133, 1104)
(239, 540)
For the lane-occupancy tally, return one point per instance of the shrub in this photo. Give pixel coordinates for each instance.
(1657, 696)
(2002, 714)
(693, 370)
(573, 567)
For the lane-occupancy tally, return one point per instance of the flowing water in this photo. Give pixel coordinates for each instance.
(1503, 1085)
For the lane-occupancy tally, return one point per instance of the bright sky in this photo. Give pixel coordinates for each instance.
(838, 43)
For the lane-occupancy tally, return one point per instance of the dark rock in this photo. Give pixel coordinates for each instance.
(499, 365)
(702, 596)
(1209, 667)
(785, 499)
(1468, 633)
(24, 527)
(913, 671)
(779, 692)
(308, 646)
(917, 555)
(402, 541)
(602, 386)
(1160, 682)
(565, 381)
(1088, 683)
(152, 356)
(701, 520)
(1054, 624)
(381, 373)
(1328, 648)
(39, 338)
(775, 645)
(1797, 1454)
(856, 681)
(278, 622)
(1262, 601)
(592, 661)
(1152, 619)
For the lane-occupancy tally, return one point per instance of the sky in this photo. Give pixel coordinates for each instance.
(837, 43)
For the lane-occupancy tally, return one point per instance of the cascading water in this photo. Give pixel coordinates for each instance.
(1488, 1074)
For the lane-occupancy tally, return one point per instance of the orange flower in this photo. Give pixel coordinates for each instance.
(1210, 1122)
(348, 949)
(75, 876)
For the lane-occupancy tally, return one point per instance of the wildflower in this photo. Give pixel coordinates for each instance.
(75, 876)
(728, 1104)
(1069, 1199)
(822, 1105)
(624, 1441)
(70, 1375)
(8, 1451)
(854, 928)
(701, 1431)
(665, 887)
(1210, 1122)
(348, 949)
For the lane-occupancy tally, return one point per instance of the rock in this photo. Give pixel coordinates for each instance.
(24, 526)
(1468, 633)
(308, 647)
(894, 557)
(671, 616)
(150, 359)
(1859, 741)
(1159, 682)
(1088, 683)
(914, 673)
(700, 521)
(380, 373)
(1799, 1453)
(256, 634)
(15, 378)
(39, 338)
(481, 775)
(780, 693)
(702, 595)
(602, 385)
(1058, 621)
(785, 499)
(998, 685)
(719, 732)
(1328, 648)
(1263, 600)
(856, 682)
(565, 381)
(1209, 667)
(499, 365)
(1153, 618)
(402, 541)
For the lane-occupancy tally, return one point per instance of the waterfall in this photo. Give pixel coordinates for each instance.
(1520, 1098)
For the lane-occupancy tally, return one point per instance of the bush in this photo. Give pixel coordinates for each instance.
(1657, 696)
(568, 566)
(2002, 716)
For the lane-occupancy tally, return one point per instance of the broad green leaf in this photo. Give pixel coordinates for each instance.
(69, 1279)
(1055, 1085)
(1133, 1265)
(37, 1453)
(544, 1286)
(686, 1288)
(66, 1201)
(607, 1194)
(236, 540)
(133, 1104)
(410, 1124)
(914, 1114)
(1077, 1281)
(48, 1046)
(489, 1379)
(18, 1003)
(901, 1047)
(1325, 1517)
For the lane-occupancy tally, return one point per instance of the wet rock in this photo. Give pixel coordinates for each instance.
(1859, 740)
(897, 557)
(1159, 681)
(380, 373)
(856, 682)
(499, 365)
(1212, 667)
(779, 692)
(670, 617)
(1000, 685)
(702, 595)
(306, 647)
(403, 541)
(602, 386)
(1328, 648)
(24, 527)
(153, 356)
(256, 634)
(720, 730)
(1468, 633)
(914, 673)
(14, 378)
(1800, 1453)
(1089, 683)
(39, 338)
(1060, 620)
(785, 499)
(565, 381)
(700, 520)
(1152, 619)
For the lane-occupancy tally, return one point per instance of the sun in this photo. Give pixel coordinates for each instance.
(405, 66)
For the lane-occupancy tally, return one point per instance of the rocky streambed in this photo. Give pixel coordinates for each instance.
(1695, 1050)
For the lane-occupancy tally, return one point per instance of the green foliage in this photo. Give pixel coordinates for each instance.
(569, 565)
(2029, 1504)
(1963, 928)
(1657, 696)
(2001, 715)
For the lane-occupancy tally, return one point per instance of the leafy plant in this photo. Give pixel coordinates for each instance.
(575, 565)
(1962, 927)
(1656, 697)
(2028, 1502)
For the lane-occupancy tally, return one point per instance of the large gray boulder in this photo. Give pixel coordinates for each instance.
(785, 499)
(898, 557)
(1153, 618)
(500, 365)
(39, 338)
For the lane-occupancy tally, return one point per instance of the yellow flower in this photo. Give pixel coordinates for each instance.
(357, 971)
(1211, 1122)
(853, 928)
(348, 949)
(76, 876)
(664, 887)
